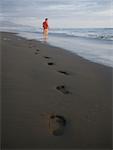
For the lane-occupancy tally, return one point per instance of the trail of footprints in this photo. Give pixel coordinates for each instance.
(57, 123)
(61, 88)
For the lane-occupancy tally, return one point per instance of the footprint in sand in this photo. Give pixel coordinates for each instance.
(47, 57)
(62, 88)
(57, 124)
(50, 63)
(63, 72)
(37, 50)
(36, 53)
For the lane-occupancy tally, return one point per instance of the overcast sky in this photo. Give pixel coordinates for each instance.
(61, 13)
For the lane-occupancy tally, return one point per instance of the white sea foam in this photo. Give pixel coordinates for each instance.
(94, 44)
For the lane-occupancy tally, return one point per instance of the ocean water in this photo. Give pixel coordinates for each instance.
(69, 19)
(94, 44)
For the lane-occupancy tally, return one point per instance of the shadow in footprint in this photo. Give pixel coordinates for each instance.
(46, 57)
(37, 50)
(63, 72)
(36, 53)
(50, 63)
(57, 124)
(62, 88)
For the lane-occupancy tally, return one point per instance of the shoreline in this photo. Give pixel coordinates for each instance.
(80, 43)
(32, 74)
(90, 49)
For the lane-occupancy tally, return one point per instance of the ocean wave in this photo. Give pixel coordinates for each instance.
(99, 33)
(102, 34)
(94, 35)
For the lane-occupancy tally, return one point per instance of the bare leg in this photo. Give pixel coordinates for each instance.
(45, 34)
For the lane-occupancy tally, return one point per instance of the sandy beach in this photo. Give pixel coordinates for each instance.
(39, 80)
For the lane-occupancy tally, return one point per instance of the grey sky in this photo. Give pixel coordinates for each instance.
(61, 13)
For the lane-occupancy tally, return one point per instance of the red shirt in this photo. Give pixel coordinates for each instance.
(45, 25)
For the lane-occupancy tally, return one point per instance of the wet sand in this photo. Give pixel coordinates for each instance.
(39, 80)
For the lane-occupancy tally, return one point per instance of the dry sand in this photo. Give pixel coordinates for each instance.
(39, 80)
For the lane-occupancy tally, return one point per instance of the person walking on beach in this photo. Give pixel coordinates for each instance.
(45, 28)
